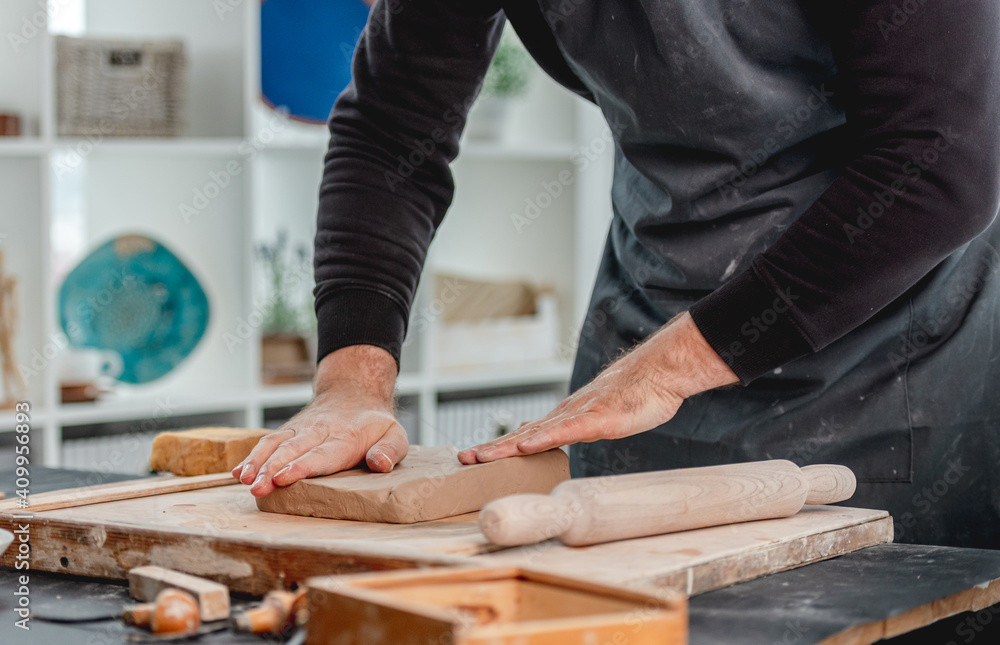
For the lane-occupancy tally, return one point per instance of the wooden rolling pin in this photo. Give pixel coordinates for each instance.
(618, 507)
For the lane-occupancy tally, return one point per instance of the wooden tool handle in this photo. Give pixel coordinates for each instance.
(602, 509)
(526, 519)
(829, 484)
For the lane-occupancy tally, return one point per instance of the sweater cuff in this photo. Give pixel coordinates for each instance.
(358, 316)
(750, 325)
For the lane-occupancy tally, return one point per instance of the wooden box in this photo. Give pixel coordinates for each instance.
(487, 606)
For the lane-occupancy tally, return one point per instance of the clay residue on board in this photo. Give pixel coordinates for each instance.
(198, 560)
(98, 536)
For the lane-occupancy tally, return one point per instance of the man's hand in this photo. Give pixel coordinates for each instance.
(638, 392)
(349, 420)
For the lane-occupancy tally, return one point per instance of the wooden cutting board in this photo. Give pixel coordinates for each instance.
(219, 533)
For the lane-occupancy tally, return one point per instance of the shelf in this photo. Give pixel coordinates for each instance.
(412, 384)
(22, 147)
(480, 378)
(226, 146)
(272, 396)
(128, 408)
(490, 150)
(316, 146)
(210, 146)
(202, 146)
(36, 420)
(477, 150)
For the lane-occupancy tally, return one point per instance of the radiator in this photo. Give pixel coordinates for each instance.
(468, 423)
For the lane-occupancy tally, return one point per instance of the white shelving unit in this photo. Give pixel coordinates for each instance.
(61, 197)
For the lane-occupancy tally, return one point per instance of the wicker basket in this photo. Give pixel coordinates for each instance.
(119, 88)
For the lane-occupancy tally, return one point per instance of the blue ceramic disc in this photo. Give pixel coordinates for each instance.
(305, 53)
(135, 297)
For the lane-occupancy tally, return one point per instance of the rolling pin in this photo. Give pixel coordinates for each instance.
(593, 510)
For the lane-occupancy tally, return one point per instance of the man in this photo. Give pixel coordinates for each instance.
(805, 190)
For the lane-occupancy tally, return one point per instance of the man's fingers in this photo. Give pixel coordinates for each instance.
(552, 432)
(261, 452)
(472, 455)
(323, 459)
(389, 450)
(261, 486)
(505, 446)
(287, 451)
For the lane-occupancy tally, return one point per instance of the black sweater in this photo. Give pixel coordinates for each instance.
(786, 168)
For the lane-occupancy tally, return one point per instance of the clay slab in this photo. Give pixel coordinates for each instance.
(428, 484)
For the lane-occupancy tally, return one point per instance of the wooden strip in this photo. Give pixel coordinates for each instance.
(114, 492)
(974, 599)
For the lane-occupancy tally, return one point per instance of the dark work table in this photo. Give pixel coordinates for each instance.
(804, 606)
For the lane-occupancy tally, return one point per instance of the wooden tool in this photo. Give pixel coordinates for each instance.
(278, 613)
(486, 606)
(603, 509)
(145, 583)
(174, 612)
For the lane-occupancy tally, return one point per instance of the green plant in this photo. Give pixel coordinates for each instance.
(287, 276)
(510, 71)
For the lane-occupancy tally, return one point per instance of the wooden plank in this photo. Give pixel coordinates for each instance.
(875, 593)
(218, 533)
(115, 491)
(974, 599)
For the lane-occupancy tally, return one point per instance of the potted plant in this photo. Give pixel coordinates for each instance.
(286, 314)
(506, 79)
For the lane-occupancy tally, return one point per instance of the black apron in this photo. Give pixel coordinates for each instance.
(694, 90)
